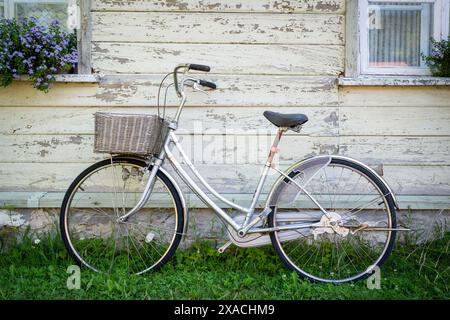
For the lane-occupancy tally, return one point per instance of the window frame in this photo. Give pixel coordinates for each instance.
(440, 31)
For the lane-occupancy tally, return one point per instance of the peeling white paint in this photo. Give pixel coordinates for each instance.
(11, 219)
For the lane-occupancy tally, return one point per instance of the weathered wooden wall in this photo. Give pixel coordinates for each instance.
(264, 54)
(405, 128)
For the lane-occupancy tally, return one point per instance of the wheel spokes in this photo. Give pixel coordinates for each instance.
(348, 194)
(103, 243)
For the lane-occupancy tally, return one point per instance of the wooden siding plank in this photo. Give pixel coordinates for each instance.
(218, 28)
(241, 148)
(54, 200)
(395, 96)
(207, 120)
(38, 176)
(210, 149)
(397, 150)
(385, 121)
(223, 58)
(48, 148)
(420, 180)
(283, 6)
(141, 90)
(48, 177)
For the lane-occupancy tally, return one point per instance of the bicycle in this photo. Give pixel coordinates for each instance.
(330, 218)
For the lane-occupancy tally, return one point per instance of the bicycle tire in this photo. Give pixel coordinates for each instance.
(64, 227)
(278, 245)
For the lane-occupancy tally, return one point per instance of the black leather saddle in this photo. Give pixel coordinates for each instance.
(285, 120)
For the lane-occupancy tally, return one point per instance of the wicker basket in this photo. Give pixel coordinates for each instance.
(120, 133)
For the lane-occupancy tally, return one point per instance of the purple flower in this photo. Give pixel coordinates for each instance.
(436, 55)
(27, 47)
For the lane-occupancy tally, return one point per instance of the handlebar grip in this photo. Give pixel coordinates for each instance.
(208, 84)
(199, 67)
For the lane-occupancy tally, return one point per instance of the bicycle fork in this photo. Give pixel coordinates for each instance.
(157, 163)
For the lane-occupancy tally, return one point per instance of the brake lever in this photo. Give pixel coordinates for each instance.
(197, 88)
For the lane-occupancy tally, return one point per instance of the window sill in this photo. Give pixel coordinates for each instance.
(393, 81)
(72, 78)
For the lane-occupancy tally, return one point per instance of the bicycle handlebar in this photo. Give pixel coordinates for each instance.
(193, 66)
(199, 67)
(208, 84)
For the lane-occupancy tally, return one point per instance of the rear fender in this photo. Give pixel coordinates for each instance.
(383, 181)
(309, 167)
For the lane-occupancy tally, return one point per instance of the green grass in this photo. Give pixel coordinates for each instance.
(30, 271)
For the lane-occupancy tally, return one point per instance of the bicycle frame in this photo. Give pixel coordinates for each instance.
(250, 221)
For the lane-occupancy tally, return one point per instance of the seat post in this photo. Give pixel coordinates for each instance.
(274, 148)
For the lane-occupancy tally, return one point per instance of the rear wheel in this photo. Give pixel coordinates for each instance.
(93, 203)
(347, 245)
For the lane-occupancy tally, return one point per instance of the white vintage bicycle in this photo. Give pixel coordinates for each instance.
(330, 218)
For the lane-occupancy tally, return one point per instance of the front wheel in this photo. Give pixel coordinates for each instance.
(101, 194)
(354, 238)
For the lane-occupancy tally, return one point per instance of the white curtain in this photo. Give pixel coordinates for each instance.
(44, 11)
(398, 33)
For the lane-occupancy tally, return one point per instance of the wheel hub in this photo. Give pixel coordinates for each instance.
(330, 224)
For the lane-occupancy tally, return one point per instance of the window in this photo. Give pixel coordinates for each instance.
(394, 34)
(67, 12)
(44, 10)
